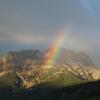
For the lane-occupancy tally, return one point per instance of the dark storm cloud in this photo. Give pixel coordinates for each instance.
(35, 23)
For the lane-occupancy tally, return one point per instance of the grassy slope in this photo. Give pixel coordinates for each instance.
(83, 91)
(46, 90)
(63, 87)
(63, 79)
(9, 80)
(68, 80)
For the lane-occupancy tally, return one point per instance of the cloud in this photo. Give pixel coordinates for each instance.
(23, 38)
(29, 38)
(25, 23)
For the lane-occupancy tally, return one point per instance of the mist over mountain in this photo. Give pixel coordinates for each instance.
(30, 58)
(71, 58)
(79, 64)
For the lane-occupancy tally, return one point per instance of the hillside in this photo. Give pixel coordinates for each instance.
(53, 84)
(11, 80)
(47, 91)
(12, 84)
(84, 91)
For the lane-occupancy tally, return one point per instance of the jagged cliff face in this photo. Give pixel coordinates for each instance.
(71, 58)
(24, 59)
(79, 64)
(89, 73)
(29, 58)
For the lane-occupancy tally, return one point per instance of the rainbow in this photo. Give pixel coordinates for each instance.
(54, 49)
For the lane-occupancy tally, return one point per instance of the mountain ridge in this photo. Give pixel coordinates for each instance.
(35, 57)
(79, 64)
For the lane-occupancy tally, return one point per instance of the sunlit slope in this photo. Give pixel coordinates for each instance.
(52, 77)
(63, 87)
(50, 89)
(84, 91)
(10, 80)
(68, 79)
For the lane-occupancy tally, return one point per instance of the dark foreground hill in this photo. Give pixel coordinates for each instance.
(75, 89)
(86, 91)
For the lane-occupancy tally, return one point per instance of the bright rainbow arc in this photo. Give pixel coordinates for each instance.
(54, 49)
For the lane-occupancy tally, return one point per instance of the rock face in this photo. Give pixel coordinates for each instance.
(79, 64)
(21, 60)
(71, 58)
(28, 58)
(25, 59)
(89, 73)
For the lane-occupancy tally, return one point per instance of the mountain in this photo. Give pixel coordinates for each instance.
(20, 60)
(71, 77)
(71, 58)
(79, 64)
(26, 59)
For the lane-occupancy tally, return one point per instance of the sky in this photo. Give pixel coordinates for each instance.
(34, 24)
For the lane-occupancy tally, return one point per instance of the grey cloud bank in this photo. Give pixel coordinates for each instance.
(26, 24)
